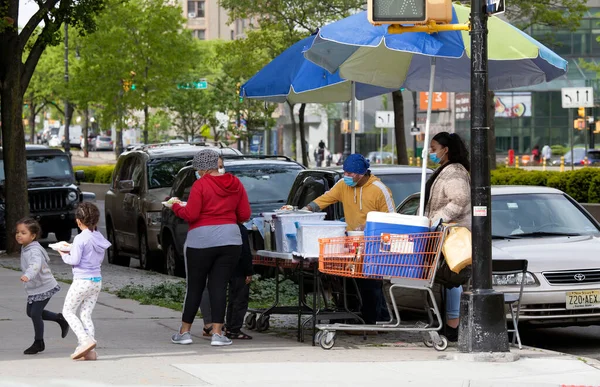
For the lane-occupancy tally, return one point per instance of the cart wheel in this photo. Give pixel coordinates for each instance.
(443, 345)
(428, 343)
(251, 321)
(263, 323)
(327, 340)
(318, 336)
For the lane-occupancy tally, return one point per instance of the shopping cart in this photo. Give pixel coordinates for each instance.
(407, 260)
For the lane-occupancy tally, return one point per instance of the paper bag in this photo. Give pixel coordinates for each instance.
(457, 248)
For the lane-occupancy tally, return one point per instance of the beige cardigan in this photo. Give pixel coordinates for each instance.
(450, 197)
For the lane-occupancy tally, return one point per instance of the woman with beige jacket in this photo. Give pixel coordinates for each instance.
(448, 198)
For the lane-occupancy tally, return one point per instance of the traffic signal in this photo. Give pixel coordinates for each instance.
(409, 11)
(581, 112)
(579, 124)
(238, 87)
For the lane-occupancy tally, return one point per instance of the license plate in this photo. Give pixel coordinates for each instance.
(583, 299)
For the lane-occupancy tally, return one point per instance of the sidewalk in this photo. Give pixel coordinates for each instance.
(134, 349)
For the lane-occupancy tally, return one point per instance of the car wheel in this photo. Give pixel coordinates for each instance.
(63, 234)
(172, 261)
(113, 251)
(144, 255)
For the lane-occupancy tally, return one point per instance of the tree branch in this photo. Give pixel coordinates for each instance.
(33, 58)
(34, 21)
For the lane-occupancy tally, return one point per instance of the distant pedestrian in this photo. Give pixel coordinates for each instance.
(39, 282)
(547, 152)
(86, 256)
(536, 154)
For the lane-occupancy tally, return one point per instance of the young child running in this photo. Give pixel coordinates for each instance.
(86, 256)
(39, 282)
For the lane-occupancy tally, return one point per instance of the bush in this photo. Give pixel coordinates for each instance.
(594, 191)
(578, 183)
(503, 176)
(559, 181)
(538, 178)
(99, 174)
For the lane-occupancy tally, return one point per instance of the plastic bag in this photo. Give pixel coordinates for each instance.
(457, 248)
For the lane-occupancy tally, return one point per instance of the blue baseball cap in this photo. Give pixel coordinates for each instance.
(356, 163)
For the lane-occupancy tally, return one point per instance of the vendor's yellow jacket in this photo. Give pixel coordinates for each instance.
(357, 201)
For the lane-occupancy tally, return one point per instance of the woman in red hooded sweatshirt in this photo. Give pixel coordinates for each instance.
(217, 203)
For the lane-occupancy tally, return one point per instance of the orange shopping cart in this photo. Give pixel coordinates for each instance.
(406, 260)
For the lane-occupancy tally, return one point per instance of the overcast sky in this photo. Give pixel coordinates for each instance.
(26, 9)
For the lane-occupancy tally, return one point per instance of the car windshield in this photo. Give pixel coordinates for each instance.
(162, 170)
(538, 215)
(594, 155)
(45, 167)
(402, 185)
(266, 183)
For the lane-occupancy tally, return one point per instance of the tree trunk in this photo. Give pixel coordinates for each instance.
(68, 117)
(303, 135)
(146, 114)
(86, 123)
(398, 101)
(32, 108)
(492, 135)
(294, 129)
(16, 200)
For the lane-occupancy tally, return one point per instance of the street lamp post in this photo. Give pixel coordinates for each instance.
(482, 322)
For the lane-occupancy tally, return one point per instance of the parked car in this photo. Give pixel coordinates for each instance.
(310, 184)
(593, 157)
(103, 143)
(388, 158)
(141, 180)
(267, 181)
(561, 242)
(53, 192)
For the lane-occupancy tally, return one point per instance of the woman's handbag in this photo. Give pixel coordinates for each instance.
(457, 249)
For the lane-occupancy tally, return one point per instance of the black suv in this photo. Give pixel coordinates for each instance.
(310, 184)
(267, 180)
(52, 189)
(142, 179)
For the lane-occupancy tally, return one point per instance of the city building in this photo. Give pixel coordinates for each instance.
(208, 20)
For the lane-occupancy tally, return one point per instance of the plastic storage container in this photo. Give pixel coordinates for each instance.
(384, 259)
(309, 233)
(285, 223)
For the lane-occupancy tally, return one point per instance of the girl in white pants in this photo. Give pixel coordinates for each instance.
(86, 256)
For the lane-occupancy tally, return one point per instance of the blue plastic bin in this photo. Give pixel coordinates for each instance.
(379, 261)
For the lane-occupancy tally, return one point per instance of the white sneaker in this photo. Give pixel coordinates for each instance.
(220, 340)
(83, 349)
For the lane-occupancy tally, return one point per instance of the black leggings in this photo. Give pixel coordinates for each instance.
(215, 264)
(37, 313)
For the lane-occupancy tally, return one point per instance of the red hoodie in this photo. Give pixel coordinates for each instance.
(215, 200)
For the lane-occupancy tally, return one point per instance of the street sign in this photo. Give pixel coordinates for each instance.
(496, 7)
(199, 85)
(576, 97)
(384, 119)
(409, 11)
(415, 131)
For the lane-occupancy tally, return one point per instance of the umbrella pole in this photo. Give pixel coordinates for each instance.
(352, 118)
(426, 140)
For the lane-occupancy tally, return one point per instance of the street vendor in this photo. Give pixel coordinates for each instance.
(360, 192)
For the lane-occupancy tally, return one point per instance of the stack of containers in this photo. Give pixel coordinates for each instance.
(382, 258)
(285, 228)
(309, 233)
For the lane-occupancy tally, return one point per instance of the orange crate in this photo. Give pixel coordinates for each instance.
(411, 256)
(283, 263)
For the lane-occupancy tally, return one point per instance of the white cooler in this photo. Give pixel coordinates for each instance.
(309, 233)
(285, 228)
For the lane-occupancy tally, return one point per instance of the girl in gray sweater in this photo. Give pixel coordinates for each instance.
(39, 282)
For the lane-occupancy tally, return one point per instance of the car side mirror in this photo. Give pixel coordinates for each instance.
(126, 186)
(79, 176)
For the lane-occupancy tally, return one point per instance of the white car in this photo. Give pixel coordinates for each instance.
(561, 242)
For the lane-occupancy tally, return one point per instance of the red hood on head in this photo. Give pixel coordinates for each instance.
(223, 185)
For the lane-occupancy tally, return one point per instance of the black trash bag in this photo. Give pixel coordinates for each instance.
(449, 279)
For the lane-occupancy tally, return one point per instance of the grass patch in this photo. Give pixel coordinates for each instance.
(171, 295)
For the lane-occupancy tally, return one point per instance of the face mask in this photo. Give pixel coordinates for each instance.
(349, 181)
(221, 171)
(197, 175)
(433, 157)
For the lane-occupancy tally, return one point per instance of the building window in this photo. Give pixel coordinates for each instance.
(200, 34)
(196, 9)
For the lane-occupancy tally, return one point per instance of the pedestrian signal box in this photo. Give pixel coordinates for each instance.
(410, 12)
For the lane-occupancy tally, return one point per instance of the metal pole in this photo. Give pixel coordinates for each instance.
(347, 134)
(414, 93)
(426, 140)
(482, 316)
(67, 105)
(571, 137)
(381, 145)
(353, 118)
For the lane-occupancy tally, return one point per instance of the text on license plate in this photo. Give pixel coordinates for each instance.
(583, 299)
